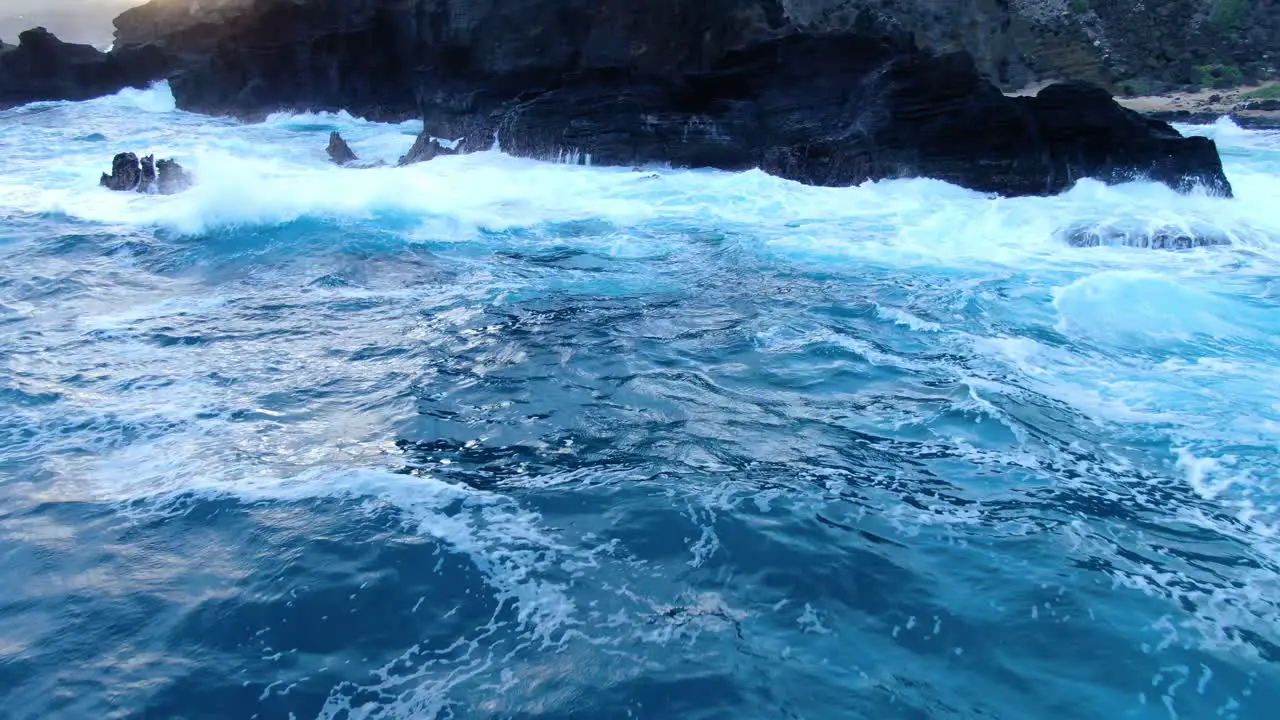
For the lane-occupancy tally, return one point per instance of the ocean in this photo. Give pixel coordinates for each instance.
(495, 438)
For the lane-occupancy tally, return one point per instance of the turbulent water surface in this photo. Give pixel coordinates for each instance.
(492, 438)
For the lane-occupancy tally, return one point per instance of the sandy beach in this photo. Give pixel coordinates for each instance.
(1209, 104)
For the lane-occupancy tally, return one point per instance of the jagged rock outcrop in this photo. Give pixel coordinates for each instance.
(42, 67)
(340, 153)
(126, 174)
(425, 148)
(129, 174)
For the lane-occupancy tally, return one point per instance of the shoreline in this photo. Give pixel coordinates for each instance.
(1207, 106)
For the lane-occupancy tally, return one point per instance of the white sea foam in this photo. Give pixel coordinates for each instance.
(277, 171)
(1172, 352)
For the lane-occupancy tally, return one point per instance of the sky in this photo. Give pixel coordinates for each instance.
(87, 21)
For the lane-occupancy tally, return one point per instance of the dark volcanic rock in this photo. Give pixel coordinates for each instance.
(730, 84)
(42, 67)
(126, 174)
(171, 177)
(337, 44)
(148, 179)
(129, 174)
(1088, 135)
(339, 152)
(1266, 105)
(425, 148)
(841, 110)
(1162, 238)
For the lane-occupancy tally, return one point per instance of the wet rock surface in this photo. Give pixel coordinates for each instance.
(818, 91)
(339, 152)
(1157, 238)
(425, 148)
(129, 173)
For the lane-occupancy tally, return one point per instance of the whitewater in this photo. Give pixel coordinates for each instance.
(489, 437)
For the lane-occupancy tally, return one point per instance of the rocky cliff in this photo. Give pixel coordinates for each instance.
(1120, 44)
(42, 67)
(820, 91)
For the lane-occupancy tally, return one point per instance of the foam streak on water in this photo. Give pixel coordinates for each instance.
(494, 438)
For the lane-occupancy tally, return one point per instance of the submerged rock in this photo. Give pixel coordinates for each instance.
(129, 174)
(1160, 238)
(425, 148)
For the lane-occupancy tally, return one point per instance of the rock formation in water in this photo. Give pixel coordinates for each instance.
(129, 174)
(42, 67)
(171, 178)
(126, 174)
(1159, 238)
(425, 148)
(832, 99)
(340, 153)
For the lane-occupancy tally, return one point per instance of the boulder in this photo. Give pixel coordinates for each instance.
(129, 174)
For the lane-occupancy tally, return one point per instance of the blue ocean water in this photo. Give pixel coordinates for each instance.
(492, 438)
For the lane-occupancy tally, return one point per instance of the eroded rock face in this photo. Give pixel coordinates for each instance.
(130, 174)
(364, 55)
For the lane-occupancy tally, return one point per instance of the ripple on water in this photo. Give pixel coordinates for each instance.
(497, 438)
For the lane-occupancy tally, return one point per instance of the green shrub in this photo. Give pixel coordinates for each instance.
(1270, 92)
(1217, 76)
(1079, 7)
(1228, 15)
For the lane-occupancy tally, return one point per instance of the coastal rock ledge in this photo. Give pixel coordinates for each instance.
(729, 84)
